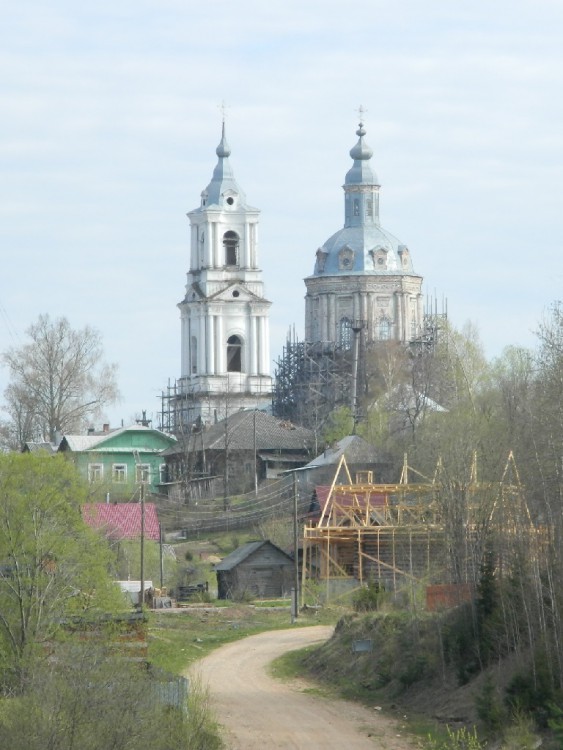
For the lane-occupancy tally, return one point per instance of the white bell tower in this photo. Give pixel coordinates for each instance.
(224, 314)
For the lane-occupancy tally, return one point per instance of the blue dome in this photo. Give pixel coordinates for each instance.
(362, 246)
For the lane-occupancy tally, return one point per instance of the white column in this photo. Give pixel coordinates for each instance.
(325, 335)
(245, 261)
(265, 346)
(211, 344)
(254, 246)
(194, 248)
(214, 245)
(184, 353)
(253, 344)
(420, 313)
(398, 315)
(331, 315)
(220, 351)
(201, 346)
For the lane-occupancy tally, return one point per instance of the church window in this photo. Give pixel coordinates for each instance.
(234, 354)
(369, 208)
(230, 200)
(413, 323)
(345, 333)
(346, 259)
(236, 293)
(231, 245)
(384, 328)
(356, 207)
(193, 355)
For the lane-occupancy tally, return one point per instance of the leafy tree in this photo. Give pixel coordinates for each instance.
(51, 564)
(58, 381)
(340, 424)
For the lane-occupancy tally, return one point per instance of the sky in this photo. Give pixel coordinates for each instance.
(110, 113)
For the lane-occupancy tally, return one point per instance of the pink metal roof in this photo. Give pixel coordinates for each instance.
(122, 520)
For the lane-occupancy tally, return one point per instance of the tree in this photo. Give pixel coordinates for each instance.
(58, 381)
(51, 564)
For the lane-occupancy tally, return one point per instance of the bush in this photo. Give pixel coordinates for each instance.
(462, 739)
(489, 707)
(369, 598)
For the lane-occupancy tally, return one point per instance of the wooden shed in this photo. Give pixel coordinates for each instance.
(258, 569)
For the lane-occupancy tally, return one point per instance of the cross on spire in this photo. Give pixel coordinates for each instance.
(223, 107)
(361, 112)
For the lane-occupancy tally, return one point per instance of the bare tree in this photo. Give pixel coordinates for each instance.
(58, 380)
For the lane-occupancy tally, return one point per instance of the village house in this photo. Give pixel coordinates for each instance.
(234, 455)
(256, 569)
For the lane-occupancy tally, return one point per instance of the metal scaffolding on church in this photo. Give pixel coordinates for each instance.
(313, 379)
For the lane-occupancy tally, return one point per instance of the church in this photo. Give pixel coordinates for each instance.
(225, 336)
(363, 281)
(363, 277)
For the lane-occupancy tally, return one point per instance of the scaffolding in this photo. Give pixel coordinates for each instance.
(313, 379)
(429, 531)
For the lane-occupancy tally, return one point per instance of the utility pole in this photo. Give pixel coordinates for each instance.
(295, 600)
(142, 591)
(357, 328)
(255, 460)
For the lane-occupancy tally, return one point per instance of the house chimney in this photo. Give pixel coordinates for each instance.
(106, 427)
(90, 430)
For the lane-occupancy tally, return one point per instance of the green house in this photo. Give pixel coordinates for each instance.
(118, 463)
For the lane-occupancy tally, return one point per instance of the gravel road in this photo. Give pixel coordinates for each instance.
(259, 712)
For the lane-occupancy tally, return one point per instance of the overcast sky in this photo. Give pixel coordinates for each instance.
(110, 116)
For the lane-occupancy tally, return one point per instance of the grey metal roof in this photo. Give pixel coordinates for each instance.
(362, 233)
(272, 434)
(355, 448)
(88, 442)
(223, 184)
(243, 552)
(41, 447)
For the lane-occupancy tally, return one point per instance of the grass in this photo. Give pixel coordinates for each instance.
(293, 665)
(178, 639)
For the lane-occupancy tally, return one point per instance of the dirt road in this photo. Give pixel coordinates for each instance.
(259, 712)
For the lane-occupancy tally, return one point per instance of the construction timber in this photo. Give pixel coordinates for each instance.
(433, 531)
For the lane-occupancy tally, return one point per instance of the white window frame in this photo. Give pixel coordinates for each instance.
(95, 472)
(143, 473)
(119, 473)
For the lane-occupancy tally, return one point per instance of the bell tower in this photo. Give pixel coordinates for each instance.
(224, 315)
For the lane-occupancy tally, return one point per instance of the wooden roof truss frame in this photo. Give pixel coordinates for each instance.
(361, 518)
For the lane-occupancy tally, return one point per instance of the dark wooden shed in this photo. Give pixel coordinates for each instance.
(258, 569)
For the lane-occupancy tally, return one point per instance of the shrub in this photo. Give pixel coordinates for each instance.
(489, 707)
(369, 598)
(461, 739)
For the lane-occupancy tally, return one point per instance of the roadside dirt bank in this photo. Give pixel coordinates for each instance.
(259, 712)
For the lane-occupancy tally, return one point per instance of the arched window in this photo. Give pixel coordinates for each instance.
(193, 355)
(384, 328)
(234, 354)
(345, 333)
(230, 243)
